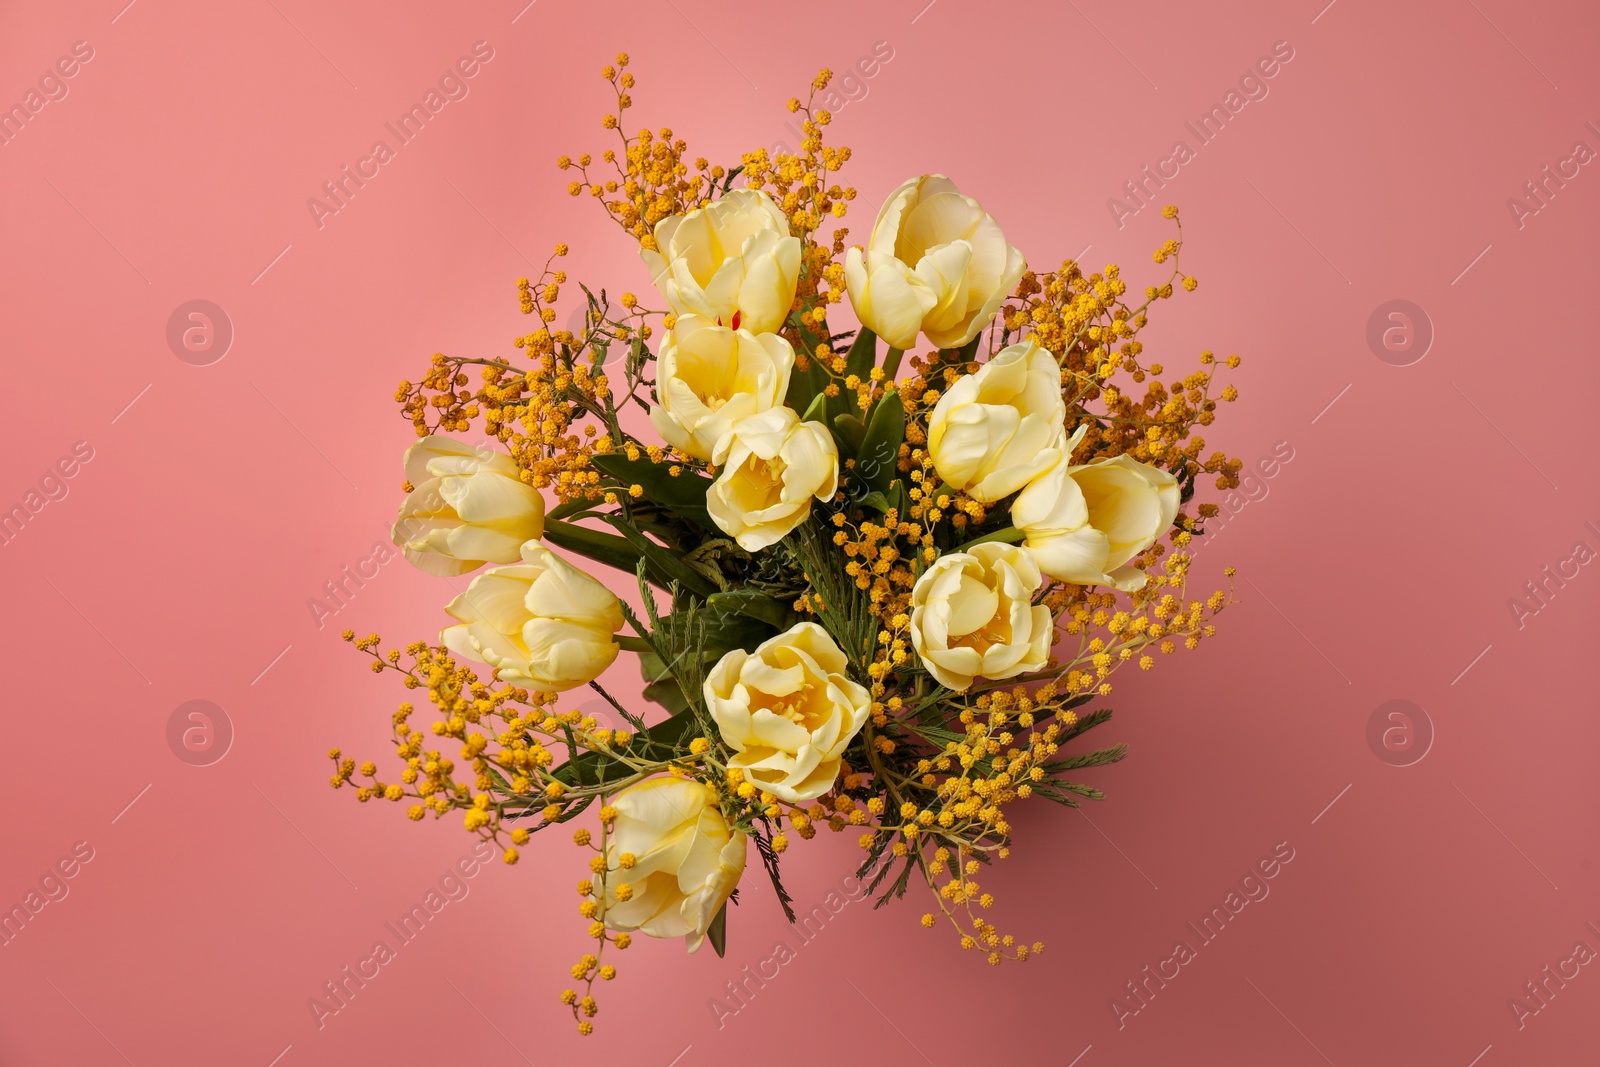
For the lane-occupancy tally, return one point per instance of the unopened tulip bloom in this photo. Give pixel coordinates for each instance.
(731, 261)
(995, 431)
(1084, 523)
(708, 377)
(936, 263)
(686, 860)
(541, 623)
(468, 506)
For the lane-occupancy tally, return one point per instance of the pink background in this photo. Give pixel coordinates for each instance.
(1378, 566)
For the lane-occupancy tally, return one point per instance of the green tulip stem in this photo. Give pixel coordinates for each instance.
(891, 363)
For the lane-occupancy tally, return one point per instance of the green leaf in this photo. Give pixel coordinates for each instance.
(860, 360)
(1009, 534)
(1087, 759)
(876, 501)
(769, 860)
(863, 354)
(708, 631)
(1059, 791)
(569, 509)
(806, 385)
(717, 932)
(1085, 722)
(878, 456)
(605, 548)
(669, 694)
(684, 494)
(664, 563)
(850, 430)
(754, 604)
(654, 669)
(817, 411)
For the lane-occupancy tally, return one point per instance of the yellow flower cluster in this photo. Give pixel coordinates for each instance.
(652, 181)
(1094, 334)
(800, 184)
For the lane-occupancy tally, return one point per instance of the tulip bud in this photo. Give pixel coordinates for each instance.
(1084, 523)
(732, 261)
(936, 263)
(542, 623)
(708, 377)
(686, 859)
(468, 507)
(995, 431)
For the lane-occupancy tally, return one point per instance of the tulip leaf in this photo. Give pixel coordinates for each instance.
(660, 685)
(863, 354)
(717, 932)
(592, 768)
(661, 561)
(569, 509)
(817, 410)
(850, 430)
(712, 631)
(625, 553)
(806, 385)
(879, 454)
(605, 548)
(684, 493)
(754, 604)
(669, 694)
(860, 360)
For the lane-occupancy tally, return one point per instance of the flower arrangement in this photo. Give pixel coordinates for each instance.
(879, 572)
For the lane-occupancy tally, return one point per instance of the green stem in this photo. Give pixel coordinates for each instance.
(1010, 535)
(891, 363)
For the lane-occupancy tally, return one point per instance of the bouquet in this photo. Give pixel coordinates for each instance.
(873, 573)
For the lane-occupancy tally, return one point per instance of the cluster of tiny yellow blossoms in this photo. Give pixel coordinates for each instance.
(607, 880)
(800, 183)
(964, 789)
(509, 785)
(653, 182)
(951, 797)
(557, 413)
(1094, 334)
(921, 811)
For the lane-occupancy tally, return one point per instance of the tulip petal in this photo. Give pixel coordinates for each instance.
(972, 606)
(893, 302)
(1122, 504)
(971, 435)
(934, 220)
(1077, 556)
